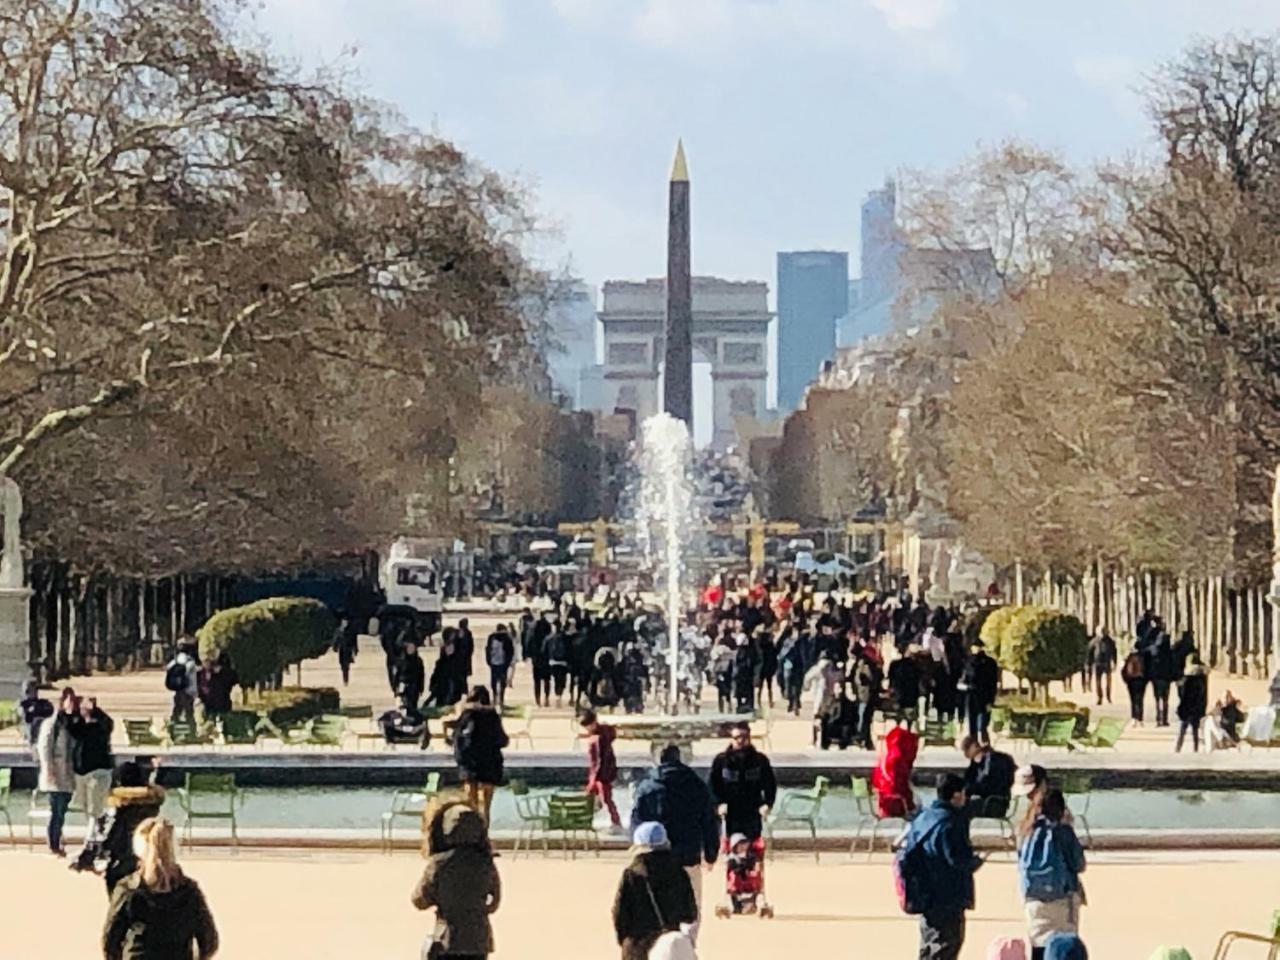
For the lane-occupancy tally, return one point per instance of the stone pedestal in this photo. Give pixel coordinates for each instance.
(15, 645)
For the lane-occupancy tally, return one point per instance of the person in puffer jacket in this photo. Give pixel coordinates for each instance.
(1050, 861)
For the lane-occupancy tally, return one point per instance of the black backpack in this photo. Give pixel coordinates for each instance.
(175, 678)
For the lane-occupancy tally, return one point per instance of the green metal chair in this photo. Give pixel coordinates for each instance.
(938, 734)
(800, 808)
(572, 815)
(532, 811)
(864, 802)
(357, 711)
(6, 781)
(326, 730)
(525, 731)
(1104, 735)
(210, 796)
(408, 805)
(1057, 732)
(240, 727)
(8, 714)
(1078, 790)
(1000, 811)
(183, 733)
(141, 733)
(999, 722)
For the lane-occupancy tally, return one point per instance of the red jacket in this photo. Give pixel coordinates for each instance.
(891, 778)
(602, 763)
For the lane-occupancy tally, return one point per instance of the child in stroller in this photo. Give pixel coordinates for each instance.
(744, 877)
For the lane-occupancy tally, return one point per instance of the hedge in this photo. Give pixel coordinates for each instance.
(266, 637)
(1040, 645)
(992, 632)
(293, 706)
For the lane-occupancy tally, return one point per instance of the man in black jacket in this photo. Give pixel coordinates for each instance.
(675, 796)
(411, 678)
(988, 783)
(91, 759)
(1102, 658)
(981, 683)
(743, 784)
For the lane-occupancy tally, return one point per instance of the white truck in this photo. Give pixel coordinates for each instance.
(410, 579)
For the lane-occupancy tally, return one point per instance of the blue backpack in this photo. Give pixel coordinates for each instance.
(1042, 866)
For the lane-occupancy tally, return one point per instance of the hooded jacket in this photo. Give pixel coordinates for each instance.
(675, 796)
(654, 895)
(478, 742)
(129, 807)
(461, 881)
(145, 924)
(945, 833)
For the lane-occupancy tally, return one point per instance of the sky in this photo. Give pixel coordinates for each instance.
(790, 110)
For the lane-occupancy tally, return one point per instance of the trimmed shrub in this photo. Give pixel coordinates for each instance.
(992, 630)
(266, 637)
(292, 706)
(1040, 645)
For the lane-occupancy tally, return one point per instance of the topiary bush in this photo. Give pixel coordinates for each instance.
(993, 627)
(1040, 645)
(293, 706)
(265, 637)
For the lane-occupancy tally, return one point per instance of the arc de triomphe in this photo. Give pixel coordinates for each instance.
(730, 331)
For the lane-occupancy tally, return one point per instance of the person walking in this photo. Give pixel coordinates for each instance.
(655, 899)
(942, 832)
(743, 783)
(980, 683)
(557, 653)
(411, 676)
(1193, 703)
(132, 801)
(1164, 672)
(180, 679)
(674, 796)
(57, 778)
(536, 652)
(461, 881)
(1102, 657)
(791, 668)
(478, 742)
(499, 654)
(867, 678)
(347, 645)
(822, 682)
(1134, 675)
(158, 913)
(214, 683)
(91, 760)
(602, 763)
(1050, 861)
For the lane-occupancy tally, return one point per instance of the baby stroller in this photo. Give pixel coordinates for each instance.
(744, 877)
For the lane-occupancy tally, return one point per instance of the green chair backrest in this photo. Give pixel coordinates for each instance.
(518, 788)
(358, 711)
(6, 781)
(861, 788)
(432, 786)
(820, 786)
(240, 726)
(1075, 783)
(8, 713)
(211, 783)
(138, 728)
(1109, 730)
(1059, 730)
(570, 812)
(329, 726)
(182, 730)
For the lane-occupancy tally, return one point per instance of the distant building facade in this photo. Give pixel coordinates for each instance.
(571, 352)
(730, 332)
(813, 294)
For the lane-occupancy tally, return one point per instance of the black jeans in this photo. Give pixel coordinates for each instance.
(541, 684)
(1101, 678)
(1161, 690)
(941, 935)
(498, 684)
(979, 721)
(1194, 727)
(1137, 693)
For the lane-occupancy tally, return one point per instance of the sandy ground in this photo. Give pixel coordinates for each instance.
(143, 694)
(337, 907)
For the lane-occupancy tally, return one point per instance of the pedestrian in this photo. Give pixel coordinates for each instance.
(1163, 672)
(35, 710)
(558, 661)
(478, 742)
(988, 782)
(460, 880)
(602, 763)
(214, 683)
(980, 683)
(57, 778)
(904, 684)
(941, 831)
(466, 644)
(655, 900)
(1050, 861)
(180, 679)
(1193, 703)
(410, 680)
(891, 778)
(158, 913)
(536, 652)
(347, 644)
(676, 797)
(867, 680)
(1134, 675)
(1102, 657)
(823, 685)
(91, 760)
(767, 668)
(792, 668)
(743, 783)
(744, 675)
(132, 800)
(499, 654)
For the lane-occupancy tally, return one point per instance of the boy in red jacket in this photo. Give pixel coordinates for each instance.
(602, 763)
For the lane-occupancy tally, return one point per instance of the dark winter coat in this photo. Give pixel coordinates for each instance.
(1193, 695)
(675, 796)
(129, 807)
(504, 646)
(215, 685)
(990, 774)
(1162, 668)
(904, 683)
(478, 742)
(461, 881)
(742, 779)
(982, 677)
(411, 675)
(145, 924)
(91, 742)
(1102, 653)
(653, 879)
(950, 856)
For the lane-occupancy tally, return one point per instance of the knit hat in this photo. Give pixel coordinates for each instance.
(650, 836)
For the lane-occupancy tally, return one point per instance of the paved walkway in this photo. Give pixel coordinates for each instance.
(338, 908)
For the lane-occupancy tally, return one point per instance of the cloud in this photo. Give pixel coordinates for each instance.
(1114, 75)
(909, 15)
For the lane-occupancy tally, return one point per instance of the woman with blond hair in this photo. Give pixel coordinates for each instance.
(157, 913)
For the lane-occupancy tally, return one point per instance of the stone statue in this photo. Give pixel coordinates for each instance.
(11, 572)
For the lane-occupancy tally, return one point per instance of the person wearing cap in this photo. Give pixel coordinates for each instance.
(654, 895)
(1030, 782)
(980, 683)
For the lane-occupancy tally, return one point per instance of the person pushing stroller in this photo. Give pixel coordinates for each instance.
(743, 783)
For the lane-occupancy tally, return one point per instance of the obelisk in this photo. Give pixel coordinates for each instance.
(678, 373)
